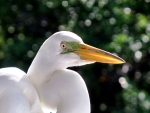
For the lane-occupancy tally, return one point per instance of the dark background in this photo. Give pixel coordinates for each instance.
(118, 26)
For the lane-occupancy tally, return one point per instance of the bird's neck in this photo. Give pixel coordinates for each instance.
(41, 70)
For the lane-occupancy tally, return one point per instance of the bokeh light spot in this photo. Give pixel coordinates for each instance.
(10, 41)
(136, 46)
(116, 10)
(103, 107)
(112, 21)
(61, 28)
(81, 23)
(48, 34)
(147, 104)
(106, 13)
(29, 7)
(13, 8)
(91, 15)
(21, 36)
(141, 96)
(148, 28)
(147, 1)
(123, 82)
(138, 55)
(125, 68)
(71, 23)
(35, 47)
(117, 48)
(88, 22)
(30, 54)
(101, 3)
(90, 3)
(127, 10)
(44, 23)
(11, 29)
(145, 38)
(1, 55)
(83, 1)
(65, 3)
(98, 16)
(148, 79)
(118, 1)
(49, 4)
(137, 75)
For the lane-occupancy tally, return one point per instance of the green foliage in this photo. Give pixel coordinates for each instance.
(119, 26)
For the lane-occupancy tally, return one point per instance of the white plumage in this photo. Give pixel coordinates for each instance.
(17, 94)
(59, 89)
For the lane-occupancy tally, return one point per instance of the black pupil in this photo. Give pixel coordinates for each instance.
(64, 46)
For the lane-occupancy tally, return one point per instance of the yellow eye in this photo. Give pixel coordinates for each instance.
(63, 46)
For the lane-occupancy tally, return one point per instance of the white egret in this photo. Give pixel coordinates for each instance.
(60, 89)
(17, 94)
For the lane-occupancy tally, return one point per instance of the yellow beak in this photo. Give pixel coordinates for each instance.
(89, 53)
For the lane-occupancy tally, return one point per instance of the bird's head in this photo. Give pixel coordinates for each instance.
(67, 49)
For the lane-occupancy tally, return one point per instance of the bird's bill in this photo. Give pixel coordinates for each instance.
(89, 53)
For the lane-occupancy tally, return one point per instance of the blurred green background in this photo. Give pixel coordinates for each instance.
(119, 26)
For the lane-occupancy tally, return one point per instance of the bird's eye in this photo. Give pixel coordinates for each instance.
(63, 46)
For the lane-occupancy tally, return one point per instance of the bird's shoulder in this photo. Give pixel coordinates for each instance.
(15, 85)
(12, 73)
(68, 79)
(65, 79)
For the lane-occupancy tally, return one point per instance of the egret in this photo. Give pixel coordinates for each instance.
(60, 89)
